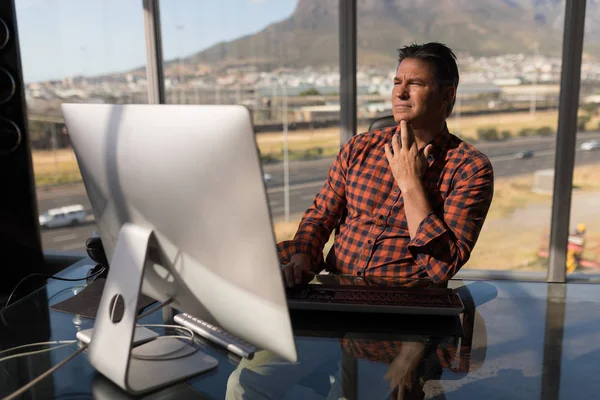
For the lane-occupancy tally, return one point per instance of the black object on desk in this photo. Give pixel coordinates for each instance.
(86, 302)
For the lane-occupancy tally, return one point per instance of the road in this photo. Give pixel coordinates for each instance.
(307, 177)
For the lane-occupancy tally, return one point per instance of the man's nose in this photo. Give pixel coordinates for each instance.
(403, 93)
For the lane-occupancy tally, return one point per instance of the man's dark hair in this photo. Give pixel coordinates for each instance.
(443, 60)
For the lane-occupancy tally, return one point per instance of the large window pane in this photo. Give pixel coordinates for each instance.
(507, 104)
(280, 59)
(583, 254)
(74, 51)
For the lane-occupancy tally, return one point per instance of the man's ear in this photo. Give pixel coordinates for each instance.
(450, 94)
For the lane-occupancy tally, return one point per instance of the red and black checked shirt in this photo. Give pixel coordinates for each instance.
(374, 239)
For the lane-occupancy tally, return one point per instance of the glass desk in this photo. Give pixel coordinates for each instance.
(519, 340)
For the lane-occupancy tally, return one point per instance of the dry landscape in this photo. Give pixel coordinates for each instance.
(518, 218)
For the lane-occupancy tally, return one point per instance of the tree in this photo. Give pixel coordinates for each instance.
(545, 131)
(488, 134)
(310, 92)
(582, 121)
(590, 108)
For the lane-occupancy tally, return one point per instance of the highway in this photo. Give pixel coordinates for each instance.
(307, 177)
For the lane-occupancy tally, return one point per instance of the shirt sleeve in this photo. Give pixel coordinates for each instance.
(443, 243)
(323, 215)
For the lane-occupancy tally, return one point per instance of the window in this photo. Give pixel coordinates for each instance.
(278, 58)
(509, 58)
(74, 51)
(583, 249)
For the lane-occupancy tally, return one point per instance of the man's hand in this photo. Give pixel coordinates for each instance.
(408, 164)
(298, 270)
(402, 371)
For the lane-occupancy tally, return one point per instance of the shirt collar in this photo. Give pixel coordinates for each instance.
(439, 143)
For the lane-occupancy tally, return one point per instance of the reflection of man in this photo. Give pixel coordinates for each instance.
(415, 195)
(398, 365)
(407, 366)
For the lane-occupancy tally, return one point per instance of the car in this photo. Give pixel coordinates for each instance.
(524, 154)
(267, 177)
(590, 145)
(63, 216)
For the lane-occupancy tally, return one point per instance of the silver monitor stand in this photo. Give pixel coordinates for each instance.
(113, 358)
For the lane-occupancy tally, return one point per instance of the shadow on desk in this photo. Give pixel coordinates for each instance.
(24, 323)
(104, 389)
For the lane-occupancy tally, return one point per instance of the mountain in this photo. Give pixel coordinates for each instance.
(309, 37)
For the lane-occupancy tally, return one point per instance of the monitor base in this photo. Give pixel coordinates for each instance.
(111, 351)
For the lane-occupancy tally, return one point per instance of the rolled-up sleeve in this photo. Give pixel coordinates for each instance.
(323, 215)
(443, 243)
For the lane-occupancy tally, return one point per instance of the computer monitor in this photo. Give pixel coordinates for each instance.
(180, 204)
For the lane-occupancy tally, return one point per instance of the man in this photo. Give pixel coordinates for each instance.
(414, 196)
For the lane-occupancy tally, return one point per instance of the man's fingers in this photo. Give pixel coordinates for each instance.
(405, 134)
(388, 152)
(427, 150)
(288, 274)
(298, 274)
(396, 146)
(308, 276)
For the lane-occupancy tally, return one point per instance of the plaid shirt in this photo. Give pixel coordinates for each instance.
(374, 239)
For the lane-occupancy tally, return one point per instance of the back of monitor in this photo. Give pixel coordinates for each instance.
(186, 179)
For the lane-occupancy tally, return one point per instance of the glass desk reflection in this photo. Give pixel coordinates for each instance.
(514, 340)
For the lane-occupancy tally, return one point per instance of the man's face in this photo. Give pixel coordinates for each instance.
(416, 98)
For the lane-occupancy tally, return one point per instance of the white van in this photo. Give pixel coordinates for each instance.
(63, 216)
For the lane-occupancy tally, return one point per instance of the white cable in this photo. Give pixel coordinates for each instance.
(32, 353)
(190, 340)
(164, 357)
(38, 379)
(176, 327)
(38, 344)
(156, 308)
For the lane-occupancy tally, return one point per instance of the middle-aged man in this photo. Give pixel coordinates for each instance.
(409, 201)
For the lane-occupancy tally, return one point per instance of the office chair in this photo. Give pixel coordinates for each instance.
(382, 122)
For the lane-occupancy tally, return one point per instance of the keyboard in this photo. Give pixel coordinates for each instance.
(393, 300)
(216, 335)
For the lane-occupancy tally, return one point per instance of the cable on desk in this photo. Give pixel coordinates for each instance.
(156, 308)
(37, 344)
(48, 276)
(38, 379)
(190, 341)
(32, 353)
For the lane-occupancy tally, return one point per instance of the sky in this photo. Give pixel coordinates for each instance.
(61, 38)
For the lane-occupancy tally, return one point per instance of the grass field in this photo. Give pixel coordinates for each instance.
(61, 167)
(513, 232)
(328, 139)
(55, 167)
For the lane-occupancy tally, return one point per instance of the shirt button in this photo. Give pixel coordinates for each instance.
(359, 273)
(396, 190)
(381, 217)
(369, 241)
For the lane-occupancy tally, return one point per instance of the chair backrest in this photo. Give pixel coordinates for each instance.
(382, 122)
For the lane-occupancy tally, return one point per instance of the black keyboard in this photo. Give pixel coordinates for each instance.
(437, 301)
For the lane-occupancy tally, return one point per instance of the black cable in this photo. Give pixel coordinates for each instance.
(48, 276)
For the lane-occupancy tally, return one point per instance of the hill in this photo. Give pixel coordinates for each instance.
(309, 37)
